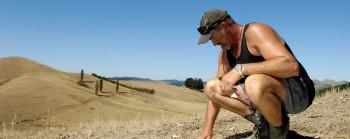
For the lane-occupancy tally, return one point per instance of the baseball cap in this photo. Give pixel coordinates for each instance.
(210, 20)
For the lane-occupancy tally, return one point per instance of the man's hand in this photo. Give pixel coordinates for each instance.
(204, 135)
(228, 81)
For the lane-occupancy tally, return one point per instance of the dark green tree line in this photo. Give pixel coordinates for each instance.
(194, 83)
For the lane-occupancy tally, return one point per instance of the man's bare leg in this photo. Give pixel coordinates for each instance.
(267, 94)
(212, 90)
(215, 102)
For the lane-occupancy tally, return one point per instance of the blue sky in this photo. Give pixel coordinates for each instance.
(158, 39)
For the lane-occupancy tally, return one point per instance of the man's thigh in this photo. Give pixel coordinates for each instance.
(263, 84)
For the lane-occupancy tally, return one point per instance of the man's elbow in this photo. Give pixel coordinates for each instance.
(292, 67)
(295, 69)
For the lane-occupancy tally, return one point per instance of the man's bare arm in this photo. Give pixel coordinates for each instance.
(264, 41)
(213, 110)
(224, 66)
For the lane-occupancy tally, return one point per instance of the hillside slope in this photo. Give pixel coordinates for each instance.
(326, 118)
(31, 92)
(30, 89)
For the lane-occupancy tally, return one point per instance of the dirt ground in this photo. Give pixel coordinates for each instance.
(40, 102)
(328, 117)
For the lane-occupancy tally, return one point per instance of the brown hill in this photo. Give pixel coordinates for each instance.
(40, 95)
(30, 92)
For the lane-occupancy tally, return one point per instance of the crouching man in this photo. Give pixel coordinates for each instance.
(258, 76)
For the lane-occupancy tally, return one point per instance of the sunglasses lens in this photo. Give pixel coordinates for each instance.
(205, 30)
(201, 30)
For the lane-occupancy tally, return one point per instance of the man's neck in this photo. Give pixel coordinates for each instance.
(237, 48)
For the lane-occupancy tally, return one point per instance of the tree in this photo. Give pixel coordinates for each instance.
(189, 82)
(96, 87)
(101, 84)
(117, 86)
(199, 84)
(82, 75)
(194, 83)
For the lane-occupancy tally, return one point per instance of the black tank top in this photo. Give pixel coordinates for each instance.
(247, 57)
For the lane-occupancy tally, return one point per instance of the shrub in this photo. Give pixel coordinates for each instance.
(337, 89)
(81, 75)
(117, 86)
(96, 87)
(143, 90)
(101, 84)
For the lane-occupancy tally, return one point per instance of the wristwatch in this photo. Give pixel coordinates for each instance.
(238, 67)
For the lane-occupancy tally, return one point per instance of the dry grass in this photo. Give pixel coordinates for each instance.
(40, 102)
(328, 117)
(31, 89)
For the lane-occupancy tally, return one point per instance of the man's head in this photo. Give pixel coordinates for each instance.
(210, 21)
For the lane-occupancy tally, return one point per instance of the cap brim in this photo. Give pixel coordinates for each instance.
(205, 38)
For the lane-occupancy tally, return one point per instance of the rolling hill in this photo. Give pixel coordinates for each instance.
(30, 92)
(48, 103)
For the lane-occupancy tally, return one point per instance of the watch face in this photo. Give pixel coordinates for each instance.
(238, 66)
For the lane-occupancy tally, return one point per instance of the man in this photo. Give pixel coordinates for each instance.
(258, 76)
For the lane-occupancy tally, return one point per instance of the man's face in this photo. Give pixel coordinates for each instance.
(219, 38)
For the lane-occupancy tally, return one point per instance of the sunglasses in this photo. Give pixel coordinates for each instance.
(206, 29)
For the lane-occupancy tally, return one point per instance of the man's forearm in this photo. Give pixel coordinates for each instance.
(281, 67)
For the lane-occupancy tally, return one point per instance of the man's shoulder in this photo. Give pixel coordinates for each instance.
(259, 31)
(259, 35)
(257, 27)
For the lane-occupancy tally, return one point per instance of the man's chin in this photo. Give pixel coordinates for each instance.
(225, 47)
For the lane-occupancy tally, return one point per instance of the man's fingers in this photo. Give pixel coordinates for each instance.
(234, 88)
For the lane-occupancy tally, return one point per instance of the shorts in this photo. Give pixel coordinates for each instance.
(299, 96)
(300, 93)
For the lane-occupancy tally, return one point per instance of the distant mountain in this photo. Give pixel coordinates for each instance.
(174, 82)
(131, 78)
(171, 82)
(318, 84)
(327, 83)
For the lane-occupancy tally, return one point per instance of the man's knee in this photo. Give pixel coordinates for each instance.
(212, 87)
(259, 86)
(255, 86)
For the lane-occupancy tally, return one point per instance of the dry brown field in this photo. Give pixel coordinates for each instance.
(37, 101)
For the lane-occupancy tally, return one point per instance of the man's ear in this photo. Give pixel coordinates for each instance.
(225, 24)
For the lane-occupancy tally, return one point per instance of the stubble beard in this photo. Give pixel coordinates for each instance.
(225, 47)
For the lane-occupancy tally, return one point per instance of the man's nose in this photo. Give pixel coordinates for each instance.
(214, 43)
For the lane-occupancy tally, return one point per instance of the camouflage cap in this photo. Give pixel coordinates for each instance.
(210, 20)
